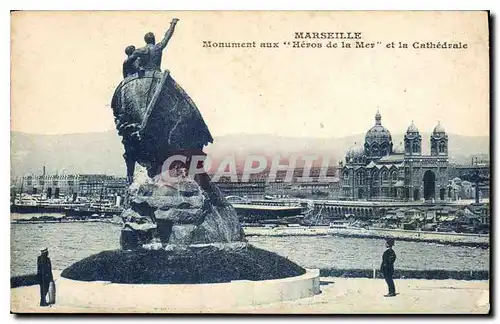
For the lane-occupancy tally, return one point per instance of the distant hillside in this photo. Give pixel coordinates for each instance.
(102, 152)
(76, 153)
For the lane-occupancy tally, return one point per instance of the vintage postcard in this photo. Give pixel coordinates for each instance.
(272, 162)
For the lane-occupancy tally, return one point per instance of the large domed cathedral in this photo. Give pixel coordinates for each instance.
(379, 170)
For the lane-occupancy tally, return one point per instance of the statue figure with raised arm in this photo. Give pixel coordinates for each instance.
(153, 114)
(157, 120)
(153, 51)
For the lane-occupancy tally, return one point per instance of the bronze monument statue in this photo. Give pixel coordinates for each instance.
(153, 114)
(178, 229)
(156, 120)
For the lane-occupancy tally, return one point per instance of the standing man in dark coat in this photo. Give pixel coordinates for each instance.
(387, 267)
(44, 273)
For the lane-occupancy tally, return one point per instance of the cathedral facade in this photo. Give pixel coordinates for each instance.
(377, 170)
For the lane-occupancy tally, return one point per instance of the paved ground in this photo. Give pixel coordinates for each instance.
(339, 295)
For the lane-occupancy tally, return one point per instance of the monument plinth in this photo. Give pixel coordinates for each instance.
(177, 211)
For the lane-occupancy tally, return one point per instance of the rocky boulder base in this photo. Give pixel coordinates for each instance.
(178, 211)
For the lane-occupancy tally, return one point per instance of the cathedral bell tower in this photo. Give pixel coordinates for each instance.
(413, 141)
(439, 141)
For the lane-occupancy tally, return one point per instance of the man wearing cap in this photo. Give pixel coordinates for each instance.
(387, 267)
(44, 273)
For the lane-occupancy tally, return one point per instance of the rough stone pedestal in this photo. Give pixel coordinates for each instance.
(177, 211)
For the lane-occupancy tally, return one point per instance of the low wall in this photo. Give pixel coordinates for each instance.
(455, 239)
(24, 280)
(431, 234)
(199, 296)
(431, 274)
(408, 274)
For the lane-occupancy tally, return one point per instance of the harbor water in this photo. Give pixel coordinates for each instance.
(70, 242)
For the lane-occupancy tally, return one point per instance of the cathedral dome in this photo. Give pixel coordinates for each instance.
(355, 151)
(412, 128)
(378, 133)
(438, 129)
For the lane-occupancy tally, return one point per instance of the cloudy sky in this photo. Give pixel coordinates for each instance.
(66, 65)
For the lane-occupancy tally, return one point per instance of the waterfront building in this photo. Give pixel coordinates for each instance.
(378, 170)
(461, 189)
(72, 185)
(467, 172)
(53, 186)
(466, 190)
(253, 189)
(318, 188)
(115, 186)
(313, 190)
(260, 185)
(98, 185)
